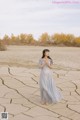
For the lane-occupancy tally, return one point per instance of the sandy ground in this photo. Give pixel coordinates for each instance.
(19, 88)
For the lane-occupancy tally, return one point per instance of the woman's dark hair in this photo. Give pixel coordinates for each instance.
(46, 50)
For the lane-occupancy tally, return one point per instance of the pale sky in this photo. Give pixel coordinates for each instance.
(38, 16)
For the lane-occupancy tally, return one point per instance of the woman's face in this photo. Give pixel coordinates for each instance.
(46, 53)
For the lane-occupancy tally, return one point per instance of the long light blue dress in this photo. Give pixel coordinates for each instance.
(48, 89)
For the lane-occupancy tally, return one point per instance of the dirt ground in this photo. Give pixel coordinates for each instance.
(19, 88)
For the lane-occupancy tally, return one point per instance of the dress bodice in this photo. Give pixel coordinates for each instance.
(41, 61)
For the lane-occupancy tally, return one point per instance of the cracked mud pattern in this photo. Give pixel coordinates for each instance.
(20, 94)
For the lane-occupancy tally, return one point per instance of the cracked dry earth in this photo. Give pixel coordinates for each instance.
(20, 94)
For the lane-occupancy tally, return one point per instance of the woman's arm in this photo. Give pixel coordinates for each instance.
(49, 65)
(41, 64)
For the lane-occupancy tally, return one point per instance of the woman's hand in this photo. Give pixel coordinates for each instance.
(47, 63)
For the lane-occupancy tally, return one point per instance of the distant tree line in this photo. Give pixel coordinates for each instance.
(45, 39)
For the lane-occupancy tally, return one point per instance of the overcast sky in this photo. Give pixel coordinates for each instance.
(38, 16)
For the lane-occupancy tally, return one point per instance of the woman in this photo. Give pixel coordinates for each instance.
(48, 89)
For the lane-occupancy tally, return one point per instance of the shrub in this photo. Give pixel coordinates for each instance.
(2, 46)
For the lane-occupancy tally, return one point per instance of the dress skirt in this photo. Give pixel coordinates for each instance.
(48, 90)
